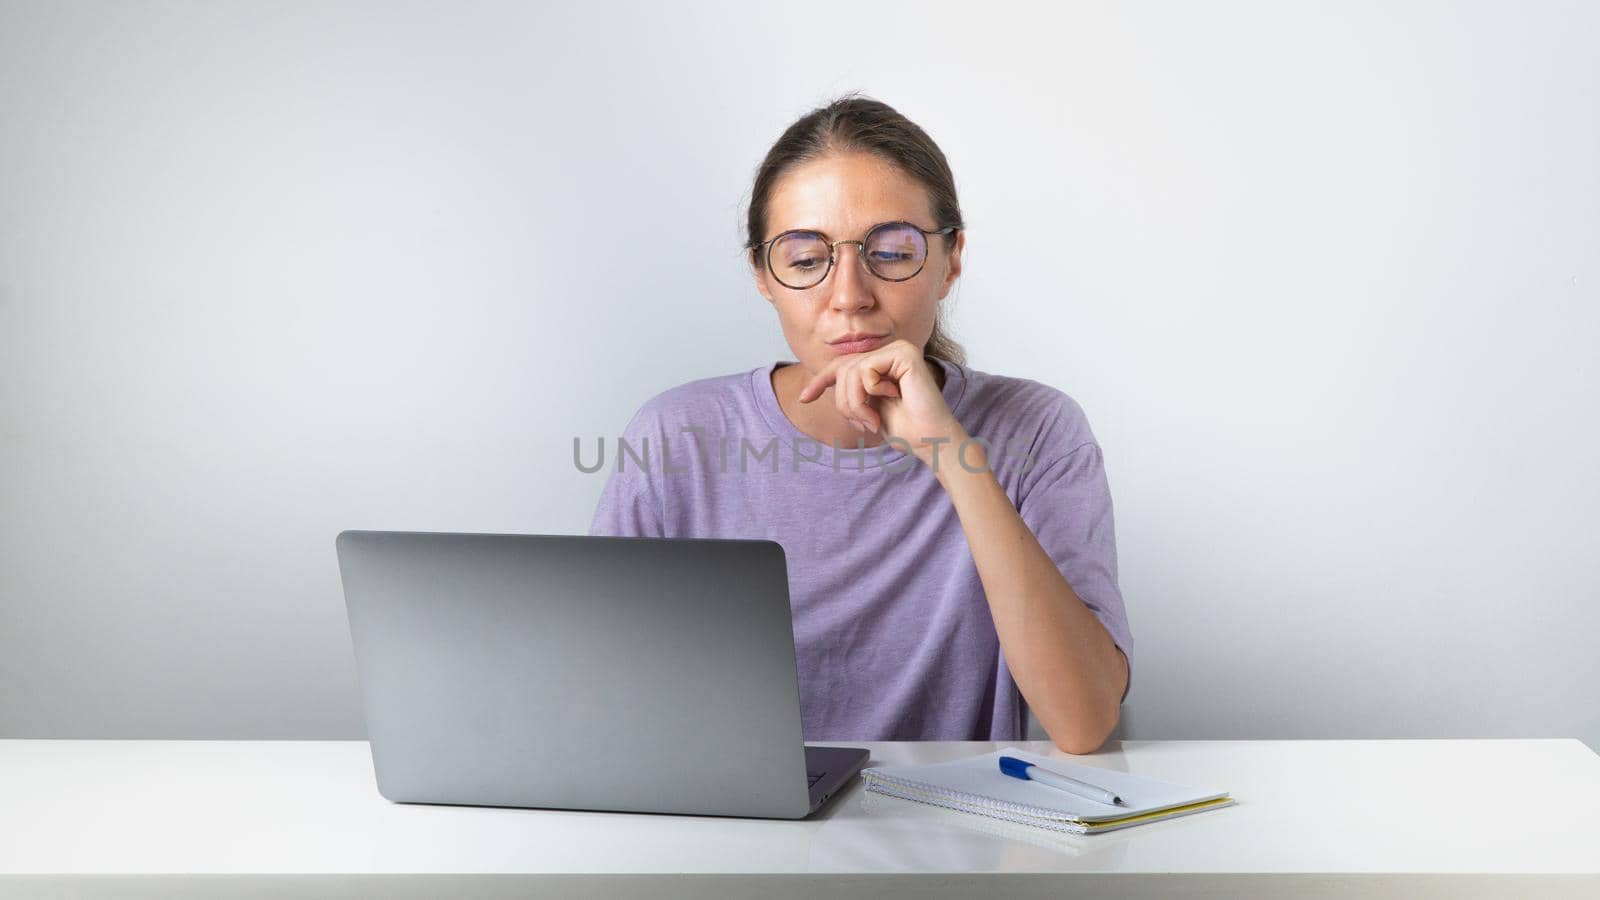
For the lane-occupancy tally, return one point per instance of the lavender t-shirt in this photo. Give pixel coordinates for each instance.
(893, 635)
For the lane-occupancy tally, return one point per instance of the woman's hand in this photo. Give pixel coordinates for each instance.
(891, 391)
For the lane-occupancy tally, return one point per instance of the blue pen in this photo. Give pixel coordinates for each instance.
(1027, 771)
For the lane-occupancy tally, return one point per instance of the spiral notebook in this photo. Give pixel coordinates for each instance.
(976, 785)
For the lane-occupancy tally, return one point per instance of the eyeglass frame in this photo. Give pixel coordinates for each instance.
(861, 251)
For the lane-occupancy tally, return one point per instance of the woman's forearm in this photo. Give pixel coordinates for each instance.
(1063, 660)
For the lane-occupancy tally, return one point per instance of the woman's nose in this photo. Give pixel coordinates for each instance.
(851, 289)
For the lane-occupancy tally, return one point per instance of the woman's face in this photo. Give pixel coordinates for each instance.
(843, 196)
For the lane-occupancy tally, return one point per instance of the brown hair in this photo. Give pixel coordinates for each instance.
(858, 124)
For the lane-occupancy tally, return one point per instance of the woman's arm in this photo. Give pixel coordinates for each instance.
(1063, 660)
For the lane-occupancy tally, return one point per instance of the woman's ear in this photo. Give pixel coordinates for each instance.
(760, 273)
(953, 270)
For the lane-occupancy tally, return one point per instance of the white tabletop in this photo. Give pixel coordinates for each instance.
(1351, 809)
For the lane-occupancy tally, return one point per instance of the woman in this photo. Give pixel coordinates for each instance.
(949, 537)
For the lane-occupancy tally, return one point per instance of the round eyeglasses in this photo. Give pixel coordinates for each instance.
(893, 251)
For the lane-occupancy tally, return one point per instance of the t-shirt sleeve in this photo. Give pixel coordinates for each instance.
(1068, 508)
(629, 504)
(625, 510)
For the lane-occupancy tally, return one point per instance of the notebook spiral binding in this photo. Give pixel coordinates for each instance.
(974, 802)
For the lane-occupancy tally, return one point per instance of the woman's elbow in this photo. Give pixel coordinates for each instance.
(1088, 738)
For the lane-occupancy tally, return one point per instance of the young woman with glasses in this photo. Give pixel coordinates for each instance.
(948, 532)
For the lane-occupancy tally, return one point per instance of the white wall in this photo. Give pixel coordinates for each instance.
(1323, 276)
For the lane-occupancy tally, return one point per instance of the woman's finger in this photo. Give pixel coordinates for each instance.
(861, 405)
(841, 391)
(844, 394)
(879, 385)
(820, 382)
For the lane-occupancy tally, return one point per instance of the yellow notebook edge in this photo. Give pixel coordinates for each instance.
(1169, 812)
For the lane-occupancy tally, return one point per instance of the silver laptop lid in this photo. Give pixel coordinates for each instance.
(606, 673)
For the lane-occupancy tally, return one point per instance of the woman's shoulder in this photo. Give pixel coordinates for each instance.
(1016, 403)
(696, 400)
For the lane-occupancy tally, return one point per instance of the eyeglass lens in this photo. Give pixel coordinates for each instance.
(894, 252)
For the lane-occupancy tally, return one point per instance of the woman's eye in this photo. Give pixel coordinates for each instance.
(804, 263)
(890, 256)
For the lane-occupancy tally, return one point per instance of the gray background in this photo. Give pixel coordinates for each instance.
(1322, 275)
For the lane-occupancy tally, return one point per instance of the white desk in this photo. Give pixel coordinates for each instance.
(231, 818)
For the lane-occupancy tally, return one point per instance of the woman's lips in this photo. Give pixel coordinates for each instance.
(859, 346)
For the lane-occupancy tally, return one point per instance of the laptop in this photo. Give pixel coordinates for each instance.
(583, 672)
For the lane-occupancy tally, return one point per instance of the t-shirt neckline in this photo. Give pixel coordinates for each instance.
(849, 458)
